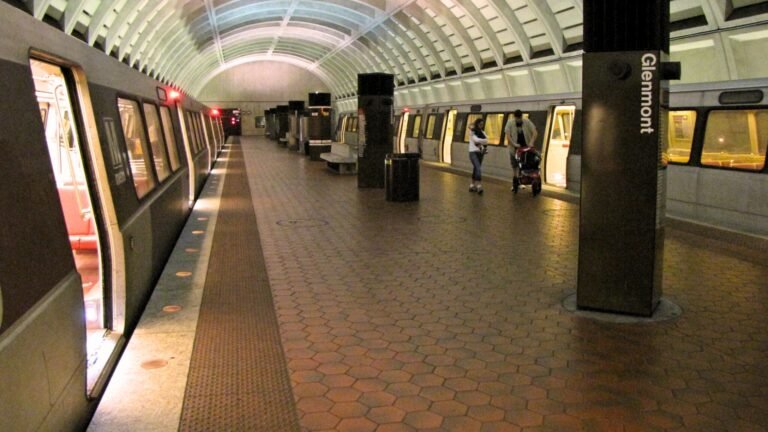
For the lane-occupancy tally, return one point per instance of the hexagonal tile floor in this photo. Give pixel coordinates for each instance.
(445, 314)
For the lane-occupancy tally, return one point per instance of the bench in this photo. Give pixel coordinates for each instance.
(314, 150)
(341, 159)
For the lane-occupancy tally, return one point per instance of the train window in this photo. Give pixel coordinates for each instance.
(156, 141)
(199, 128)
(470, 123)
(191, 134)
(429, 132)
(461, 125)
(736, 139)
(681, 125)
(208, 126)
(353, 125)
(434, 126)
(136, 142)
(416, 126)
(197, 132)
(563, 124)
(170, 138)
(494, 126)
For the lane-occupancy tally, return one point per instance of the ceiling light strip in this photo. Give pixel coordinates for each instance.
(283, 25)
(215, 29)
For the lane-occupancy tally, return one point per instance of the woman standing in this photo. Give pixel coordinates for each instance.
(477, 143)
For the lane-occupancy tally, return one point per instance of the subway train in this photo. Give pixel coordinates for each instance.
(102, 165)
(717, 136)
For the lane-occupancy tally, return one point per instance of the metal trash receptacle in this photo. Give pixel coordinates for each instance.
(401, 176)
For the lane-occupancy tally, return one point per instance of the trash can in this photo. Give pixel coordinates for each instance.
(401, 176)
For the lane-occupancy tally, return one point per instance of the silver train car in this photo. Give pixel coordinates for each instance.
(717, 139)
(102, 165)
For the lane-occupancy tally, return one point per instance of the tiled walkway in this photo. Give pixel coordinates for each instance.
(445, 314)
(438, 315)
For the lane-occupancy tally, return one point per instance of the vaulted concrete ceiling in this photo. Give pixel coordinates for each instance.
(187, 42)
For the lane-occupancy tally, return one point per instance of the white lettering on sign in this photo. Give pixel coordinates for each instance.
(648, 62)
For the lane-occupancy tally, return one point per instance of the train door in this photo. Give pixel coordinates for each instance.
(557, 144)
(447, 141)
(69, 127)
(402, 132)
(190, 150)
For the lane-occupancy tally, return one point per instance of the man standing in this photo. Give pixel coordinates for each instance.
(520, 132)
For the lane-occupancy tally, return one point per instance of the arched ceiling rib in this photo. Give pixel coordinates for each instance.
(186, 42)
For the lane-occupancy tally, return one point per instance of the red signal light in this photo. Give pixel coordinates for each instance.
(215, 112)
(174, 95)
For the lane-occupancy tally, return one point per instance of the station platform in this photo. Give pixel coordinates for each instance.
(295, 301)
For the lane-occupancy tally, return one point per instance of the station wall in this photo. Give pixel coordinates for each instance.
(254, 87)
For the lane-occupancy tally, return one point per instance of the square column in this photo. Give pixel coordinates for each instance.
(374, 112)
(623, 163)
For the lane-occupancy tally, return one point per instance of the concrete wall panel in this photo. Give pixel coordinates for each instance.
(255, 87)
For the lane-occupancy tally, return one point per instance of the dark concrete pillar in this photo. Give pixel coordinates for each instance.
(283, 123)
(374, 109)
(623, 163)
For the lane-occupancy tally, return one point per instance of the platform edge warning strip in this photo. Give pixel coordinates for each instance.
(238, 378)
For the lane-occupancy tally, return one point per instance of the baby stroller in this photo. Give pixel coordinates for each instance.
(528, 160)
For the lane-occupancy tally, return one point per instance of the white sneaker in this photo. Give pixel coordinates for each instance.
(472, 188)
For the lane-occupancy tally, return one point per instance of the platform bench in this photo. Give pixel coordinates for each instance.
(315, 150)
(341, 159)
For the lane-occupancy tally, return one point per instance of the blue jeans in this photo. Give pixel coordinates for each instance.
(477, 160)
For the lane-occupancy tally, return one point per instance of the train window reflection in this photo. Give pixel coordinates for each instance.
(170, 137)
(681, 126)
(470, 124)
(494, 124)
(136, 142)
(736, 139)
(416, 126)
(156, 141)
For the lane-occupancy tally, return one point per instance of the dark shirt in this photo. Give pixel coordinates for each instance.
(521, 137)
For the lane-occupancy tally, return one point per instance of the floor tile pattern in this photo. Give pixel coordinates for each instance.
(445, 314)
